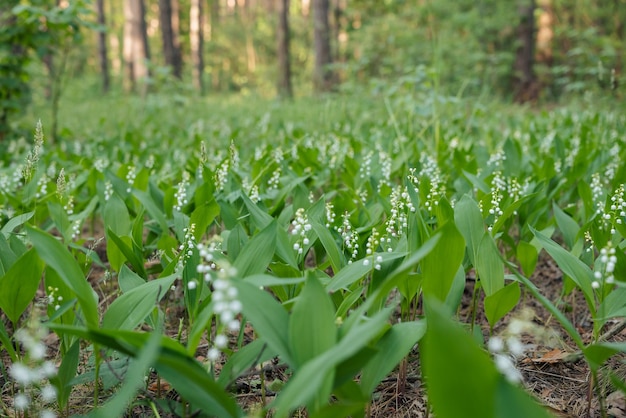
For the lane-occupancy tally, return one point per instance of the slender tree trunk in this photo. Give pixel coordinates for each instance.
(102, 47)
(172, 57)
(196, 43)
(282, 34)
(322, 74)
(525, 82)
(136, 51)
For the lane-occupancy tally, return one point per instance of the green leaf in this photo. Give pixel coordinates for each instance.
(126, 246)
(392, 348)
(513, 402)
(578, 271)
(115, 216)
(65, 374)
(269, 318)
(597, 353)
(19, 285)
(7, 256)
(489, 266)
(245, 358)
(569, 228)
(130, 309)
(173, 363)
(441, 264)
(453, 365)
(56, 256)
(337, 259)
(470, 222)
(153, 210)
(310, 335)
(306, 382)
(133, 379)
(6, 344)
(257, 254)
(15, 222)
(527, 256)
(128, 279)
(498, 304)
(355, 271)
(203, 216)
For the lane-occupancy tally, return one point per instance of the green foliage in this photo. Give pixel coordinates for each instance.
(284, 237)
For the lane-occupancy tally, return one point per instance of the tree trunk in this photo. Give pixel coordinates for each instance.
(102, 47)
(196, 43)
(322, 74)
(172, 56)
(525, 82)
(282, 34)
(136, 51)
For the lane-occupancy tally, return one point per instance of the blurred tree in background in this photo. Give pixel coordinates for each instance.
(538, 50)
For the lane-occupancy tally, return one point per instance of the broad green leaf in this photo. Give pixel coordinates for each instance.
(19, 285)
(355, 271)
(392, 348)
(132, 307)
(527, 256)
(66, 372)
(335, 256)
(441, 264)
(513, 402)
(154, 210)
(489, 267)
(269, 319)
(509, 211)
(245, 358)
(470, 222)
(14, 222)
(173, 363)
(128, 279)
(578, 271)
(453, 365)
(265, 280)
(203, 216)
(126, 245)
(134, 379)
(237, 239)
(7, 256)
(311, 334)
(115, 216)
(55, 255)
(257, 254)
(307, 381)
(476, 182)
(597, 353)
(569, 228)
(6, 344)
(498, 304)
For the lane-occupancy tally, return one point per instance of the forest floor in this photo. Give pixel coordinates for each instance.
(558, 379)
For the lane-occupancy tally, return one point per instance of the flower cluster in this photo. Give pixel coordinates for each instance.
(32, 374)
(349, 237)
(301, 227)
(186, 250)
(605, 267)
(131, 175)
(226, 305)
(33, 155)
(373, 241)
(274, 181)
(221, 175)
(181, 192)
(108, 190)
(330, 214)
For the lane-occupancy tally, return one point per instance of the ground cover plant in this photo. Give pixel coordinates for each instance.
(269, 265)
